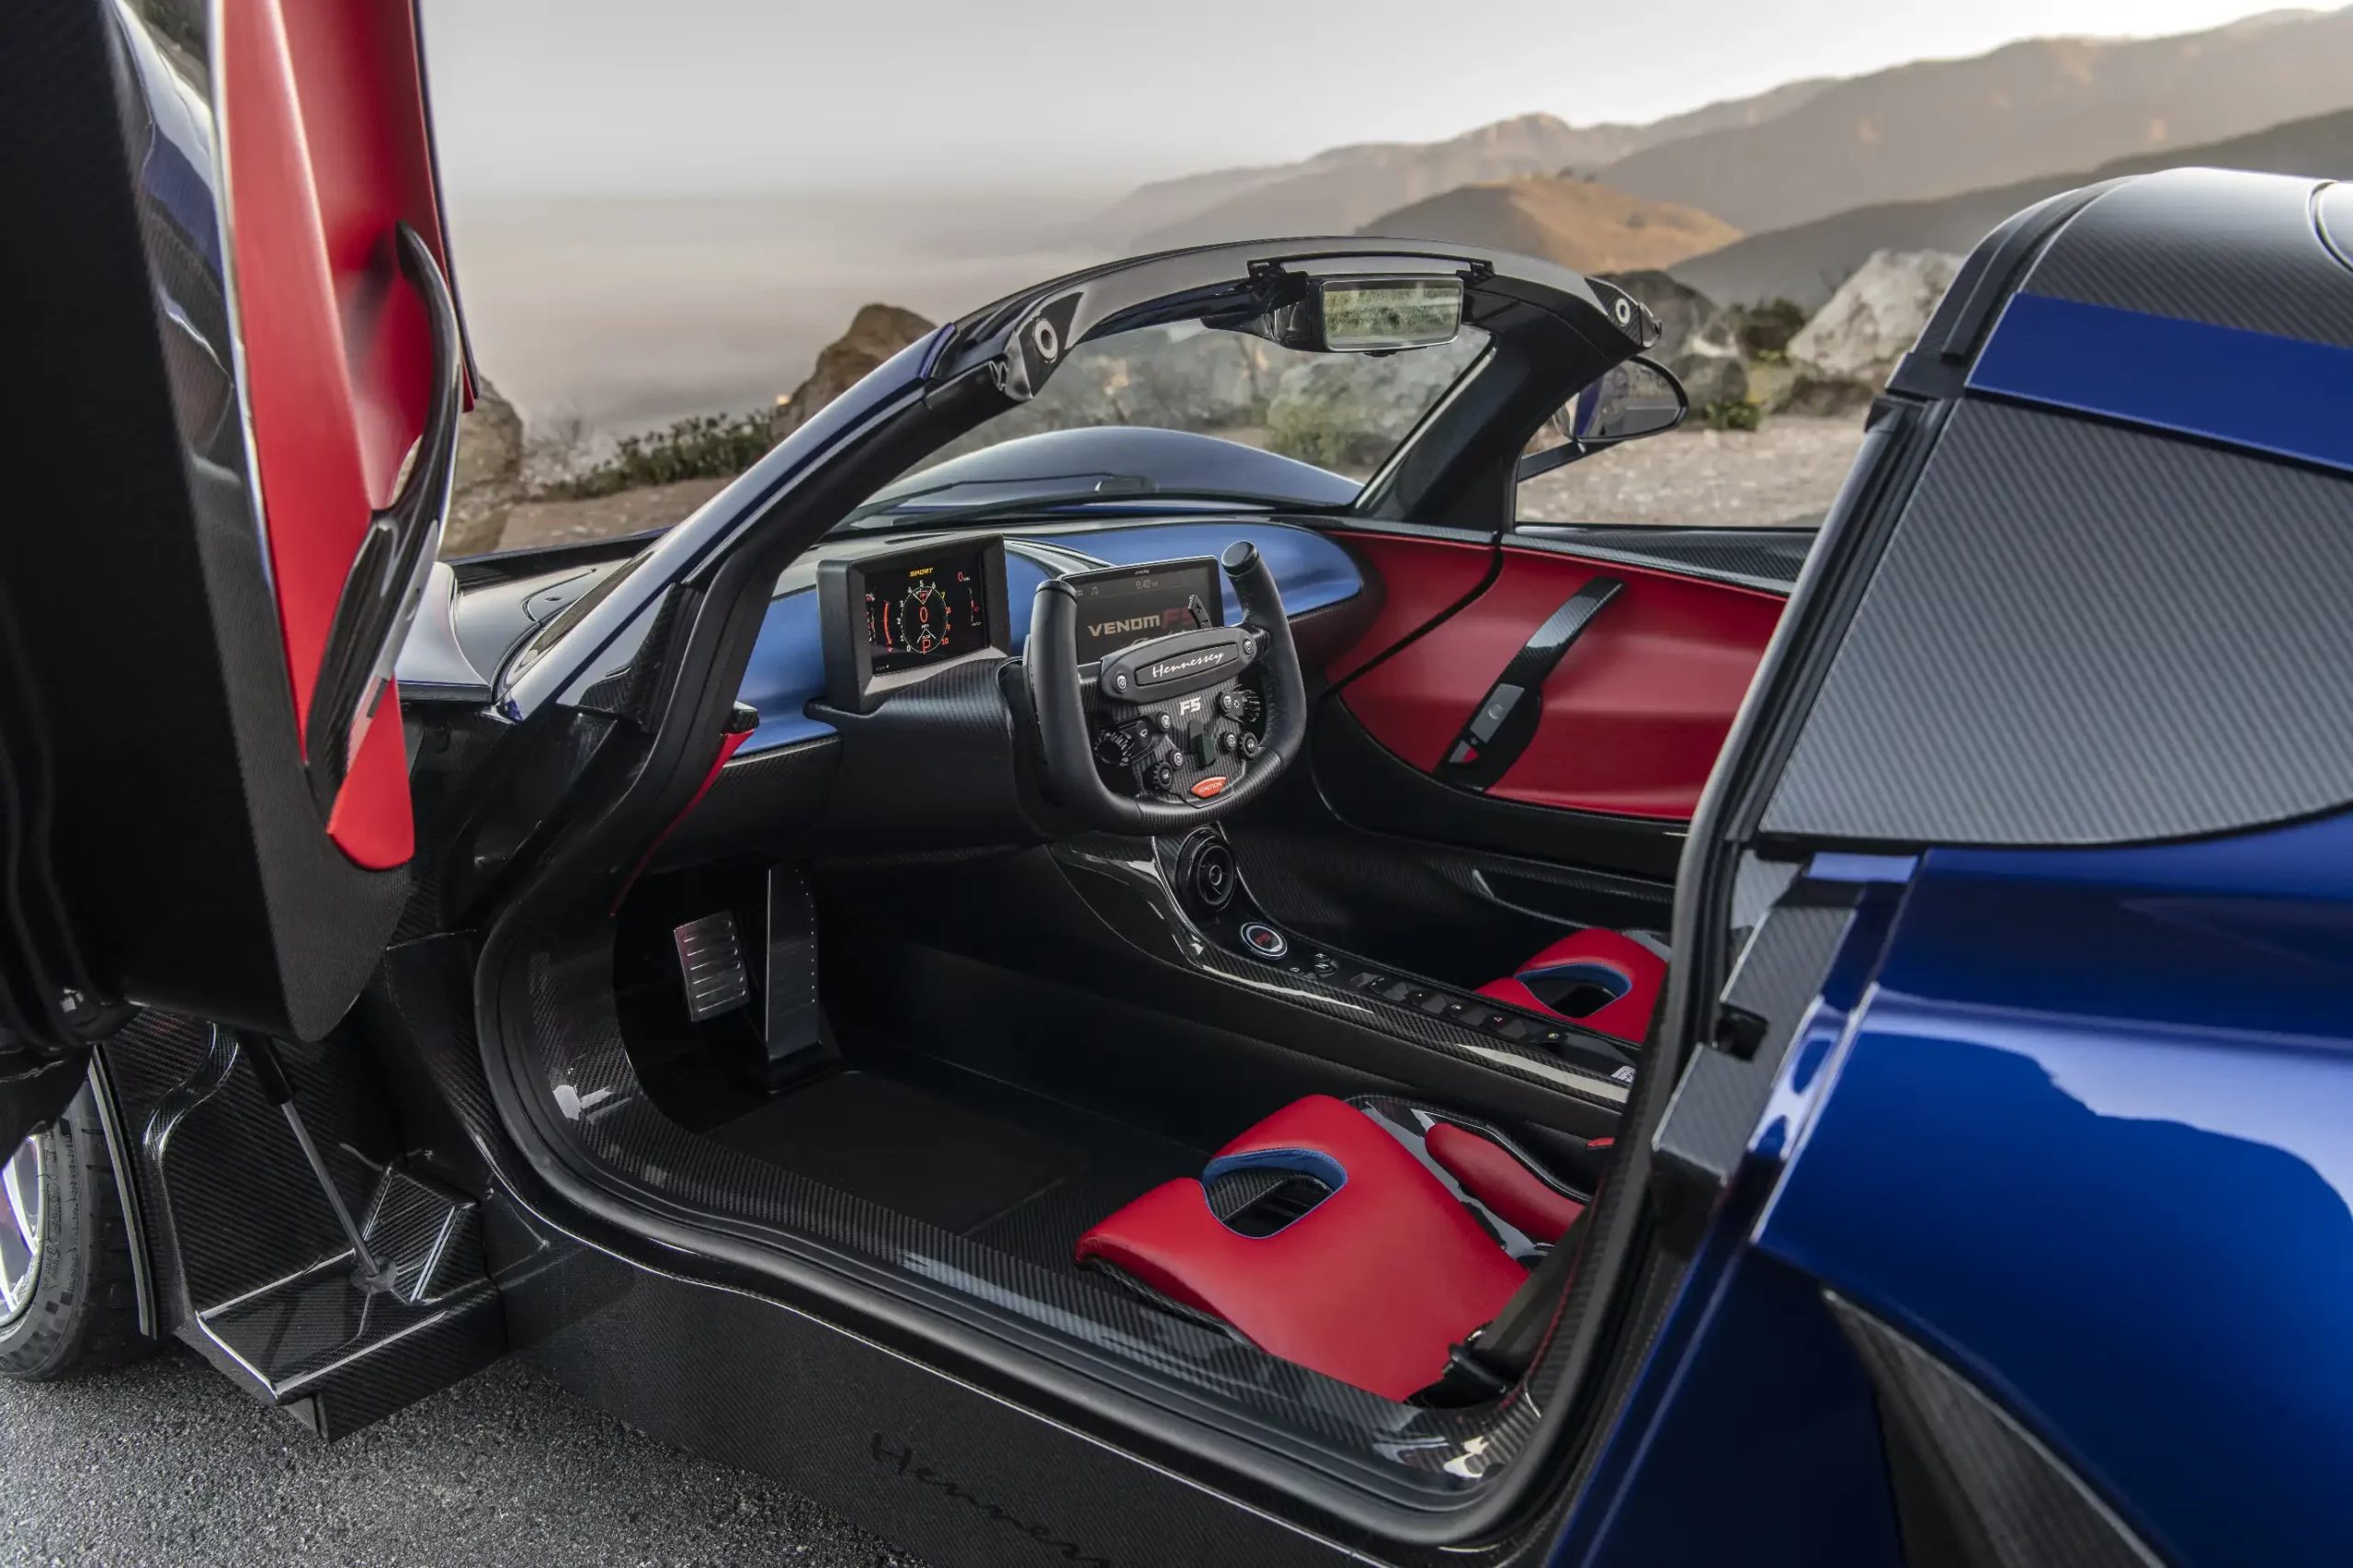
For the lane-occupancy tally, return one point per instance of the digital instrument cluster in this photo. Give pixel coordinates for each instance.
(926, 612)
(1134, 604)
(893, 618)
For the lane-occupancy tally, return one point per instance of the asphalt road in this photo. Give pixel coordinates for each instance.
(164, 1463)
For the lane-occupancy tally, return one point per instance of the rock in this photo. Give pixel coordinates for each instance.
(1171, 378)
(875, 334)
(1698, 340)
(1710, 378)
(1825, 396)
(1347, 413)
(489, 477)
(1870, 322)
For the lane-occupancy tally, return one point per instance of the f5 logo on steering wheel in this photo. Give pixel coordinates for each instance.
(1190, 705)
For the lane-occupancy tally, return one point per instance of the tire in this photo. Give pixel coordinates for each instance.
(82, 1311)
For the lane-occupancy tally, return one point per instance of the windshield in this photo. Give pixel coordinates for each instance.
(1209, 415)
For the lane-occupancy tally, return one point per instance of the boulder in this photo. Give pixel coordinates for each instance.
(1698, 340)
(1346, 411)
(1711, 378)
(489, 476)
(875, 334)
(1872, 322)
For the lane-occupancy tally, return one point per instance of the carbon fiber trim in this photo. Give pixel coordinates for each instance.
(1148, 867)
(2233, 249)
(250, 1267)
(1715, 1108)
(1769, 559)
(2005, 1500)
(2083, 634)
(573, 1053)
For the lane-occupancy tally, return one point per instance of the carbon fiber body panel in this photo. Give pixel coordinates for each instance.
(2064, 644)
(1990, 1493)
(2202, 244)
(1716, 1107)
(249, 1264)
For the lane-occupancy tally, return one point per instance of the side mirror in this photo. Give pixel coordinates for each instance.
(1639, 398)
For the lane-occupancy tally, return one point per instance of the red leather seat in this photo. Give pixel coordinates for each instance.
(1578, 969)
(1372, 1286)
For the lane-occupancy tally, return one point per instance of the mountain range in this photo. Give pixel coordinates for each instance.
(1816, 173)
(1806, 261)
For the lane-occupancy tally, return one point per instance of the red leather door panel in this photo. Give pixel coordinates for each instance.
(326, 150)
(1634, 716)
(1421, 579)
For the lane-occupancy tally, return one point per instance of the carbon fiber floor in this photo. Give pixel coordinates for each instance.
(1011, 1169)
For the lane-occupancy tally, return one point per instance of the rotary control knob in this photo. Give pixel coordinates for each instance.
(1239, 705)
(1119, 747)
(1249, 743)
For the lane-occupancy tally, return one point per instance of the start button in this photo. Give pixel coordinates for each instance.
(1214, 785)
(1264, 941)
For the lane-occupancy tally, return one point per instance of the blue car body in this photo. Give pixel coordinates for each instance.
(2052, 1186)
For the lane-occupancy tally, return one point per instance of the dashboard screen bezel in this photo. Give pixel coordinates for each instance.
(1212, 599)
(851, 680)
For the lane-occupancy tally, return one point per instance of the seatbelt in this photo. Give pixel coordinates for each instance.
(1495, 1358)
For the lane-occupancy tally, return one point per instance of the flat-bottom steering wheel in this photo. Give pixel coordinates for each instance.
(1174, 732)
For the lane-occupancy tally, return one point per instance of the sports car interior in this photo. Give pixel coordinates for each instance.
(1208, 945)
(1083, 992)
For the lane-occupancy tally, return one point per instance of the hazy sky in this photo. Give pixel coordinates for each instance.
(650, 95)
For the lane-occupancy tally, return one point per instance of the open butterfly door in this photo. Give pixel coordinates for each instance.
(237, 373)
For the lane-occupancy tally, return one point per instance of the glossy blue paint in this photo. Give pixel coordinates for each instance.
(2280, 395)
(787, 665)
(1313, 571)
(1751, 1399)
(2092, 1141)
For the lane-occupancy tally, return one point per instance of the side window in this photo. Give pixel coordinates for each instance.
(1777, 394)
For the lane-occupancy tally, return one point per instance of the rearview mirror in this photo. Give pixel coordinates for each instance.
(1381, 315)
(1639, 398)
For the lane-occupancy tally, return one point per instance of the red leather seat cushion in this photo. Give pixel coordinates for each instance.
(1629, 1016)
(1371, 1286)
(1498, 1178)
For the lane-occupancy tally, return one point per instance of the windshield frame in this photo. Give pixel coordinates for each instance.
(1551, 330)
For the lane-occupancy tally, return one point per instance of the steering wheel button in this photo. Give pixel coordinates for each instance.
(1214, 785)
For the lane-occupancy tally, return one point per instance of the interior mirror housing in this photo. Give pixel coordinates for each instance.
(1381, 315)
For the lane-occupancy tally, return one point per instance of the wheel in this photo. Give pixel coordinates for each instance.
(68, 1303)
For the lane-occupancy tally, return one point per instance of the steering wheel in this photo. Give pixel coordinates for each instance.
(1174, 732)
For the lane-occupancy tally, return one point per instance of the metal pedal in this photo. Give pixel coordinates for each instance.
(710, 964)
(792, 1020)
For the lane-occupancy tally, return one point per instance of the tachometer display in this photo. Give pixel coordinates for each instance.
(923, 614)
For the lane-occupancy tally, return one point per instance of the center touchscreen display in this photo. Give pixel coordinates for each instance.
(927, 613)
(1133, 604)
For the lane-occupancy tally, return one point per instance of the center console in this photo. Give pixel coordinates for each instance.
(1186, 900)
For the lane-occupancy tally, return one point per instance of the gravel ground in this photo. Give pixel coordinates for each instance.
(165, 1464)
(1788, 471)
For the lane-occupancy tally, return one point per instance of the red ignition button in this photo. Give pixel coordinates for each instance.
(1209, 787)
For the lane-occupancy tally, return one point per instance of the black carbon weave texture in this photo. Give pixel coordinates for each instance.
(574, 1055)
(1150, 878)
(243, 1243)
(1716, 1105)
(2232, 249)
(2020, 1507)
(1769, 559)
(2085, 634)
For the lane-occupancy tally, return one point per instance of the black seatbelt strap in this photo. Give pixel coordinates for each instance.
(1486, 1365)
